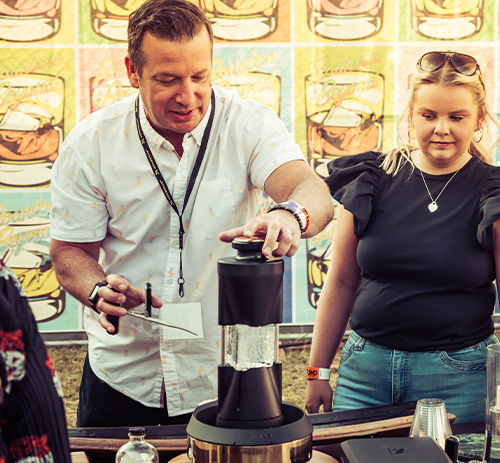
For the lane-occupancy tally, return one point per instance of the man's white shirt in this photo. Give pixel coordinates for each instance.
(104, 189)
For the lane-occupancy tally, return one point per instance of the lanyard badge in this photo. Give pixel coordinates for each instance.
(163, 184)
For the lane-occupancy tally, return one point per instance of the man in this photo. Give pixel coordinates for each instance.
(129, 187)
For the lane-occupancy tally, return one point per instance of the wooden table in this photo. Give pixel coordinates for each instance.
(79, 457)
(173, 445)
(317, 457)
(330, 429)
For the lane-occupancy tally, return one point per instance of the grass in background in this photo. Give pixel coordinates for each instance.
(68, 361)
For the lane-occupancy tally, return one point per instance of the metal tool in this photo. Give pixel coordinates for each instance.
(148, 304)
(161, 322)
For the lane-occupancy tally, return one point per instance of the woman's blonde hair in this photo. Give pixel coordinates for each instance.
(447, 76)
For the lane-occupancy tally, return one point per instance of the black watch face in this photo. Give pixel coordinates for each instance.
(93, 298)
(94, 293)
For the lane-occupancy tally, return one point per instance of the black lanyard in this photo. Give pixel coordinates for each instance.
(163, 184)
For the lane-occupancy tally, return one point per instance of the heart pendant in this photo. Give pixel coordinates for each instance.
(433, 206)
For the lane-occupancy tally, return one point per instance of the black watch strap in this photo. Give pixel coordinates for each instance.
(94, 296)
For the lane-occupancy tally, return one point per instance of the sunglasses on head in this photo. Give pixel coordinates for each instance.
(434, 60)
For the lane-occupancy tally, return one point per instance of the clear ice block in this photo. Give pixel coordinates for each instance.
(250, 346)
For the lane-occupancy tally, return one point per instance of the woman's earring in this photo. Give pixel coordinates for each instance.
(411, 133)
(480, 135)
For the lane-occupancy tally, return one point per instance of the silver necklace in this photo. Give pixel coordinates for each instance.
(433, 204)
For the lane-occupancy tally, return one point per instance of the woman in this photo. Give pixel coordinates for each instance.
(415, 255)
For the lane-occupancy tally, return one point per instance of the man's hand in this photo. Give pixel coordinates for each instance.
(319, 392)
(277, 226)
(119, 297)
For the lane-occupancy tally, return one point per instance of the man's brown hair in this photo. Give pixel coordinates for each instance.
(172, 20)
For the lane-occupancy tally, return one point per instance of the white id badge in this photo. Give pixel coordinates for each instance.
(185, 314)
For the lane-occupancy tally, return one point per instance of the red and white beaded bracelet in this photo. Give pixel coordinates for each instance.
(298, 212)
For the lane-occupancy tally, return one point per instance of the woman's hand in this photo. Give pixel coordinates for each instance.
(319, 392)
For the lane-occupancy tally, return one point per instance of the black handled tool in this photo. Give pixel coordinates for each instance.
(114, 319)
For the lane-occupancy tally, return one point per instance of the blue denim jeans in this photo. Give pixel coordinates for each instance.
(370, 374)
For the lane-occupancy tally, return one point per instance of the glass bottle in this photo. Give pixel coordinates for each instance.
(137, 449)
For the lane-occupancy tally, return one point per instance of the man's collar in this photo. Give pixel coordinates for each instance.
(152, 134)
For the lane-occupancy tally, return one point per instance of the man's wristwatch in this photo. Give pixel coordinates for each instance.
(298, 212)
(94, 296)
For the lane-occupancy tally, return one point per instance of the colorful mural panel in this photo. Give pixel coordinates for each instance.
(335, 71)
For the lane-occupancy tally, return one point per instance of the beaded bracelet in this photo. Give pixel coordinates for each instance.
(318, 373)
(298, 212)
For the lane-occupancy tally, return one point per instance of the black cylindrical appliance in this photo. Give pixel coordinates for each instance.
(249, 422)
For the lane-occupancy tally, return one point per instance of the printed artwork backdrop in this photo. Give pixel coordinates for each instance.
(335, 71)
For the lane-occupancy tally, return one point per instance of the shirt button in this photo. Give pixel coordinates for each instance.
(170, 281)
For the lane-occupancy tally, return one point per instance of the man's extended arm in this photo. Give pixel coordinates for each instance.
(293, 181)
(77, 269)
(296, 181)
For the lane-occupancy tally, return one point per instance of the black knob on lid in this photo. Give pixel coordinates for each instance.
(248, 248)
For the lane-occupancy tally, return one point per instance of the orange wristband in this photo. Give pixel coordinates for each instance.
(318, 373)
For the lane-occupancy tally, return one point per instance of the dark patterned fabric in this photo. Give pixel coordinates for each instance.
(32, 419)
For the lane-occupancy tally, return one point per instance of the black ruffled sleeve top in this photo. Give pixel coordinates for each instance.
(427, 277)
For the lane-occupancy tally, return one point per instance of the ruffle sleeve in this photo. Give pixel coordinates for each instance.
(489, 209)
(353, 182)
